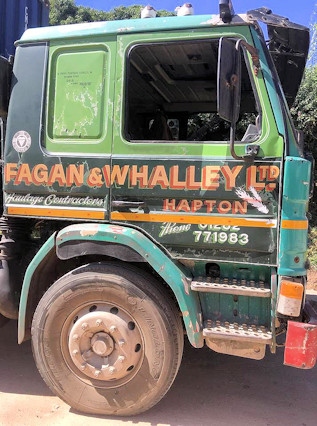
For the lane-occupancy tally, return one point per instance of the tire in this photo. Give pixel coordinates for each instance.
(107, 340)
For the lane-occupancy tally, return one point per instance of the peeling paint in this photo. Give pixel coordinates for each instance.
(305, 340)
(301, 345)
(162, 268)
(89, 232)
(125, 29)
(186, 284)
(117, 229)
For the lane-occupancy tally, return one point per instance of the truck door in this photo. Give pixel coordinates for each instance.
(172, 171)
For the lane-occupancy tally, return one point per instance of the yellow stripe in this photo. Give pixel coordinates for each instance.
(67, 213)
(158, 217)
(193, 219)
(295, 224)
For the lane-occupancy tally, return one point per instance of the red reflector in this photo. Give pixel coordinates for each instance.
(301, 345)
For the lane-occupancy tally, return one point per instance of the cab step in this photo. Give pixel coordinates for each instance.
(231, 286)
(243, 340)
(234, 331)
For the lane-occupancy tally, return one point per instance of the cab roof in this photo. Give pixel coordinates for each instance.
(127, 26)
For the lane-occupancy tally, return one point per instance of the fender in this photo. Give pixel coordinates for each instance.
(89, 237)
(40, 256)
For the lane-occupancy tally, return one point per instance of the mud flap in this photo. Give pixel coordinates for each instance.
(301, 345)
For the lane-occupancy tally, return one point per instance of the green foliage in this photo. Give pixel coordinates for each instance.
(305, 118)
(66, 12)
(61, 10)
(312, 249)
(304, 108)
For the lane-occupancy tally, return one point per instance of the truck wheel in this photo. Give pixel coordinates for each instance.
(107, 340)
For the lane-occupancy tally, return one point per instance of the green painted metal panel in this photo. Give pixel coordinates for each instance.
(294, 223)
(274, 103)
(59, 177)
(79, 107)
(202, 209)
(278, 104)
(28, 81)
(236, 309)
(38, 258)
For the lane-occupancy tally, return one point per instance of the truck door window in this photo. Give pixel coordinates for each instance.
(175, 83)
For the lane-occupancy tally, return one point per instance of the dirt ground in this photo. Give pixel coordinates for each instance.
(312, 280)
(210, 390)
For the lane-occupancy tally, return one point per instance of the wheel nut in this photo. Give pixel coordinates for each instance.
(75, 337)
(75, 352)
(97, 373)
(98, 322)
(121, 342)
(112, 329)
(84, 326)
(121, 358)
(112, 370)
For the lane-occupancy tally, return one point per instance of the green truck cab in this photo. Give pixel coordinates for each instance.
(154, 185)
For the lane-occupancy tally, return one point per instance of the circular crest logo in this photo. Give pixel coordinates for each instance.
(21, 141)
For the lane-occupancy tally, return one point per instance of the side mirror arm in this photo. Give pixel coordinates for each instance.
(251, 151)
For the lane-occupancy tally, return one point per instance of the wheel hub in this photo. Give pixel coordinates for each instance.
(105, 345)
(102, 344)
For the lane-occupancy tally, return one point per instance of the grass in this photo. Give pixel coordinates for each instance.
(312, 250)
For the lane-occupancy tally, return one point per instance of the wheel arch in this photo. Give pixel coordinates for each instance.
(119, 242)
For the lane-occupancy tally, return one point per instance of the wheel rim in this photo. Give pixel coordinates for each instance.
(104, 343)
